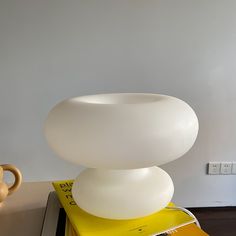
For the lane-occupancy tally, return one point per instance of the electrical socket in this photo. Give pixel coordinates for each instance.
(214, 168)
(221, 168)
(226, 168)
(234, 168)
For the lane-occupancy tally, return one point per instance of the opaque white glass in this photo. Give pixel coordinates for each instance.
(121, 131)
(123, 194)
(121, 138)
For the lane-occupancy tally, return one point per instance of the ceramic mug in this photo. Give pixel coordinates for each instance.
(5, 190)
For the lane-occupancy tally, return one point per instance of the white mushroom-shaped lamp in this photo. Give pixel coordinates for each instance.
(121, 139)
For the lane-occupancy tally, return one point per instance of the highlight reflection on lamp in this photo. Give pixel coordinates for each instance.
(122, 138)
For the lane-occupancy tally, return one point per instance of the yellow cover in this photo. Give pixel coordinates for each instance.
(89, 225)
(190, 229)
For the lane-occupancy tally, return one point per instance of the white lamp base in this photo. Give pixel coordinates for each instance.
(123, 194)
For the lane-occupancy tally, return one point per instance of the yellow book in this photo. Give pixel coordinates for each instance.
(190, 229)
(187, 230)
(85, 224)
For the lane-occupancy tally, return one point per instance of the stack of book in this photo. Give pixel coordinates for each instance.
(64, 218)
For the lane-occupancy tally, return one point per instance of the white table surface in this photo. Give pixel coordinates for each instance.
(21, 214)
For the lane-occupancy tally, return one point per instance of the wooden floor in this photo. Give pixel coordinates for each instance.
(217, 221)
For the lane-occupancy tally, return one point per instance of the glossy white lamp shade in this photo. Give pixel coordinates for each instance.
(121, 138)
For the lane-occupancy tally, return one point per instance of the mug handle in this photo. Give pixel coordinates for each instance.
(17, 175)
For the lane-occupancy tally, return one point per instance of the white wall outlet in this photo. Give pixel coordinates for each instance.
(214, 168)
(234, 168)
(226, 168)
